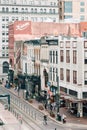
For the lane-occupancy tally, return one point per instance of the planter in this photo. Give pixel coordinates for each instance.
(52, 114)
(41, 107)
(30, 101)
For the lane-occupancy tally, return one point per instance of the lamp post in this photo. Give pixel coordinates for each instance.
(10, 74)
(58, 94)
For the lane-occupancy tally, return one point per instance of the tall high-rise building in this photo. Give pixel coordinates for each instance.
(72, 9)
(32, 10)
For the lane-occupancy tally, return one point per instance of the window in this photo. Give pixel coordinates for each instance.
(5, 67)
(22, 9)
(61, 55)
(57, 75)
(3, 25)
(54, 74)
(82, 10)
(68, 7)
(7, 54)
(31, 10)
(26, 10)
(7, 9)
(41, 10)
(82, 3)
(85, 57)
(6, 26)
(61, 74)
(3, 54)
(74, 57)
(85, 77)
(7, 18)
(6, 33)
(44, 10)
(61, 44)
(53, 56)
(50, 11)
(3, 18)
(74, 44)
(3, 9)
(74, 77)
(16, 18)
(85, 44)
(35, 10)
(7, 40)
(53, 11)
(50, 76)
(12, 10)
(3, 40)
(16, 10)
(3, 33)
(22, 18)
(67, 44)
(67, 56)
(67, 16)
(3, 47)
(68, 75)
(56, 57)
(82, 17)
(50, 56)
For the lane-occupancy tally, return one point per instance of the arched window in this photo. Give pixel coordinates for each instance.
(5, 67)
(41, 10)
(53, 11)
(50, 11)
(7, 9)
(32, 10)
(35, 10)
(44, 10)
(3, 9)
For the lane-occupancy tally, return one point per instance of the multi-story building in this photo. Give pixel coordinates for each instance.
(75, 10)
(72, 68)
(26, 10)
(62, 65)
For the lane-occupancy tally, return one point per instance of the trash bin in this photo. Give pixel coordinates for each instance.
(59, 117)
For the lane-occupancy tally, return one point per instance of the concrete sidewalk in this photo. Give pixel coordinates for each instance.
(71, 119)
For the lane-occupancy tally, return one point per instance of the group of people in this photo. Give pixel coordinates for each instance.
(63, 118)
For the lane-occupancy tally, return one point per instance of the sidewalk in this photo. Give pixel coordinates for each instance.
(71, 119)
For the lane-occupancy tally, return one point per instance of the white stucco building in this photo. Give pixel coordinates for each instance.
(72, 68)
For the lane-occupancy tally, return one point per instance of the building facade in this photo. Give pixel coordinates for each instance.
(72, 67)
(73, 10)
(17, 10)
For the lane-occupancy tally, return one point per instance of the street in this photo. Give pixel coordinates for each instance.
(33, 118)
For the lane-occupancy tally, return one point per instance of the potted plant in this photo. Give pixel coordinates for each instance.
(30, 101)
(41, 107)
(52, 114)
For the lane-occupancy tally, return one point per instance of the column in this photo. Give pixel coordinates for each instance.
(80, 109)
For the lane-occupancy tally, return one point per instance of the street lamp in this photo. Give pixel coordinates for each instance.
(10, 74)
(58, 94)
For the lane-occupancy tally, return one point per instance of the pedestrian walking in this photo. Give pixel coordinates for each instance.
(45, 106)
(64, 118)
(45, 119)
(51, 107)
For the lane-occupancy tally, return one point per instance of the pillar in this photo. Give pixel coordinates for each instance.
(80, 109)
